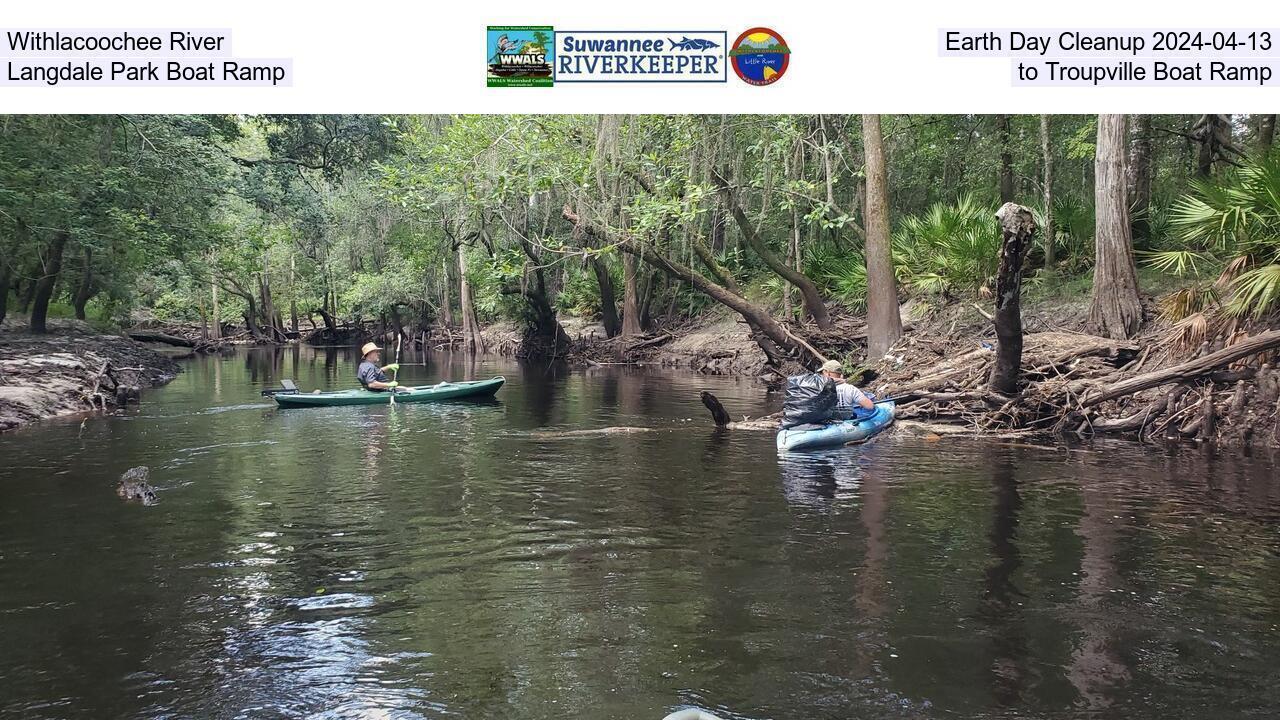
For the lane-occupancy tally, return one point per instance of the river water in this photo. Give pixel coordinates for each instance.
(488, 561)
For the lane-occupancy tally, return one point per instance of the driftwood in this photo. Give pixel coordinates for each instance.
(718, 413)
(723, 420)
(665, 337)
(160, 337)
(1188, 370)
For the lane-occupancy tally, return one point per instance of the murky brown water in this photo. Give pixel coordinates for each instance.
(456, 560)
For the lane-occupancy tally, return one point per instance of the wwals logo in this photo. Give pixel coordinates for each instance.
(520, 56)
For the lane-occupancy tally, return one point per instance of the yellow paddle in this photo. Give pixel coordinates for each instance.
(395, 372)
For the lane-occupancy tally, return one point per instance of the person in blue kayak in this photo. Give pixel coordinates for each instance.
(850, 401)
(371, 376)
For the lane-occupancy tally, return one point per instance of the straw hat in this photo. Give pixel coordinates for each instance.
(368, 348)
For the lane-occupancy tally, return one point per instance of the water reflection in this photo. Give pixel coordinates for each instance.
(473, 560)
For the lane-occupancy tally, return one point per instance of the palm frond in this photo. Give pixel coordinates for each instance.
(1255, 291)
(1175, 262)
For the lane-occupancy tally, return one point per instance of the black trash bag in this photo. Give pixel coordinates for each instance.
(810, 398)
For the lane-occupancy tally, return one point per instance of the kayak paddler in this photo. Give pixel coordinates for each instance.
(850, 401)
(371, 376)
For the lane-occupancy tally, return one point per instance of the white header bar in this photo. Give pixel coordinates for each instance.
(417, 57)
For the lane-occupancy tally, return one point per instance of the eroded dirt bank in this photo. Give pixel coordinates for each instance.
(73, 369)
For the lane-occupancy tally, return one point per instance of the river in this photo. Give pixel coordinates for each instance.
(472, 560)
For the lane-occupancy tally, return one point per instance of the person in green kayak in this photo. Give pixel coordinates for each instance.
(371, 376)
(850, 401)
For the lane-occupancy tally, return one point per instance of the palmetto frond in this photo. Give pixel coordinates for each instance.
(1176, 262)
(1255, 291)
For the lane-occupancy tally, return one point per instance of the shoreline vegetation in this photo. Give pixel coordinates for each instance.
(1068, 276)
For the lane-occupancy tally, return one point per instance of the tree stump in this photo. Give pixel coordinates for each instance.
(1017, 226)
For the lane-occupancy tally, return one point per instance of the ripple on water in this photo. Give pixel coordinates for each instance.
(446, 560)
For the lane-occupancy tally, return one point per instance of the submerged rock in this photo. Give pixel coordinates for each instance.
(134, 485)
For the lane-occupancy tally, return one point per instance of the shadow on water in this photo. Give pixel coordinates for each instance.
(492, 560)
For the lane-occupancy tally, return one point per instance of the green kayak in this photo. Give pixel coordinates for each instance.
(426, 393)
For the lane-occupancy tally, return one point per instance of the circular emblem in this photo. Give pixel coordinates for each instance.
(760, 56)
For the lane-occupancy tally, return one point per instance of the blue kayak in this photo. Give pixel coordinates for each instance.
(804, 437)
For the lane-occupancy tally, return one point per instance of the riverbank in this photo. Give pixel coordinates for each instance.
(1163, 385)
(73, 369)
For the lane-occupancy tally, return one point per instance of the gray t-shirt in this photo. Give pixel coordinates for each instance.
(848, 397)
(368, 373)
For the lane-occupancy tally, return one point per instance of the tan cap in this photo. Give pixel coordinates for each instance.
(832, 366)
(368, 348)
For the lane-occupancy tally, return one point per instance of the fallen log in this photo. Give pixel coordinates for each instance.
(665, 337)
(1189, 370)
(160, 337)
(1133, 423)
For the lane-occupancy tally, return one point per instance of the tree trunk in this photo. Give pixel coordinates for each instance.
(1266, 133)
(251, 319)
(204, 317)
(1213, 132)
(330, 323)
(85, 290)
(884, 320)
(1116, 311)
(251, 322)
(630, 298)
(251, 310)
(1140, 179)
(22, 238)
(446, 302)
(1050, 238)
(44, 286)
(813, 303)
(793, 259)
(1017, 225)
(293, 295)
(769, 334)
(215, 331)
(472, 341)
(28, 291)
(648, 291)
(6, 273)
(719, 273)
(608, 303)
(1006, 159)
(268, 306)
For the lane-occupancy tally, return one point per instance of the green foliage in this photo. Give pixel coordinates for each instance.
(948, 249)
(841, 271)
(1238, 217)
(1074, 221)
(364, 214)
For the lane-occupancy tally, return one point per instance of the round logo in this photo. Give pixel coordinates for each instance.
(760, 56)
